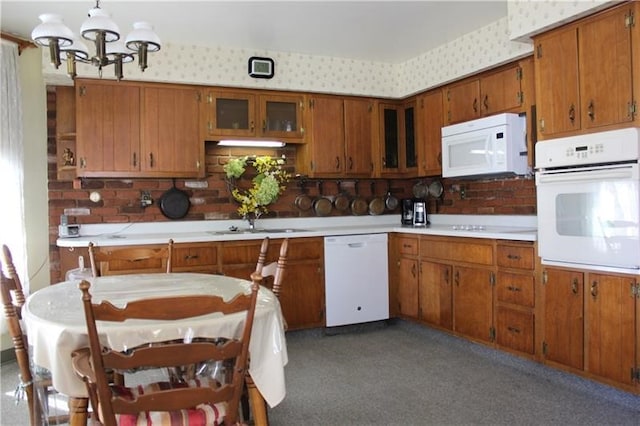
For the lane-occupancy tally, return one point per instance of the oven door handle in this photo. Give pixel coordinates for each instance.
(614, 173)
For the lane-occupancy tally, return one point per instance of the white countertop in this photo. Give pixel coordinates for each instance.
(510, 227)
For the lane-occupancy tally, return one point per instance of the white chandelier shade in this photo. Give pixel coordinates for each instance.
(103, 32)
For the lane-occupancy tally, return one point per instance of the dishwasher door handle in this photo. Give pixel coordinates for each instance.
(356, 245)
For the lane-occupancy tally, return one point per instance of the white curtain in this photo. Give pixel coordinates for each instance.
(12, 225)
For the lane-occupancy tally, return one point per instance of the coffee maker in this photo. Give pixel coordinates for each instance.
(414, 212)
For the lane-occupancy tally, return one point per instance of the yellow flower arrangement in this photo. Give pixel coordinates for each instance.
(267, 185)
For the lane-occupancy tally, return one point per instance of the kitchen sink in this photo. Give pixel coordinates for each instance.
(256, 231)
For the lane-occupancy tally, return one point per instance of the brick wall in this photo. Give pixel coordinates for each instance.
(120, 198)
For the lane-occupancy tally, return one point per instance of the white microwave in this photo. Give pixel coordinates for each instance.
(495, 145)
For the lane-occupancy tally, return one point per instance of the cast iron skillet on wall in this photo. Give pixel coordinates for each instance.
(174, 203)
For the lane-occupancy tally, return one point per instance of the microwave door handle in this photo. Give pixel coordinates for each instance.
(610, 174)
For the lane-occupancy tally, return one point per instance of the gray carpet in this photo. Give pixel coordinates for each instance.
(405, 374)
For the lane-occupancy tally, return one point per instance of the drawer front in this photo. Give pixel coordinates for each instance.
(515, 288)
(185, 257)
(458, 250)
(408, 246)
(515, 330)
(246, 252)
(516, 257)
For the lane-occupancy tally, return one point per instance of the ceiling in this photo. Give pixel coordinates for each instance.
(379, 31)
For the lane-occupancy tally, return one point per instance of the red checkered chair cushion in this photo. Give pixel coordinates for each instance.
(203, 414)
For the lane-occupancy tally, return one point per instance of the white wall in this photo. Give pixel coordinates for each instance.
(34, 102)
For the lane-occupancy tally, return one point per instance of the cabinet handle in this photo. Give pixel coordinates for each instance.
(594, 289)
(83, 163)
(440, 158)
(457, 278)
(252, 126)
(513, 257)
(512, 288)
(135, 159)
(574, 286)
(572, 113)
(513, 329)
(264, 125)
(350, 163)
(191, 257)
(406, 245)
(475, 105)
(485, 102)
(151, 159)
(446, 275)
(384, 162)
(337, 163)
(590, 112)
(413, 270)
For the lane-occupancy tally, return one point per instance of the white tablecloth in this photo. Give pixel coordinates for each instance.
(56, 326)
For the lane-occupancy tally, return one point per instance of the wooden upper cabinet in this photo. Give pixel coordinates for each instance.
(605, 65)
(247, 114)
(127, 129)
(501, 91)
(398, 148)
(490, 93)
(108, 128)
(429, 122)
(359, 134)
(584, 74)
(281, 117)
(229, 113)
(341, 137)
(171, 144)
(462, 101)
(327, 136)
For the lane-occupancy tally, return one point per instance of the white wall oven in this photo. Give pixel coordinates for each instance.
(588, 198)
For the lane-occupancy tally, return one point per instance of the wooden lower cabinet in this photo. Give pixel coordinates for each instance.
(473, 302)
(302, 293)
(610, 308)
(436, 303)
(196, 257)
(515, 296)
(590, 324)
(563, 317)
(404, 272)
(456, 283)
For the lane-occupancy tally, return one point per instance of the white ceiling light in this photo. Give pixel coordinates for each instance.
(105, 35)
(253, 144)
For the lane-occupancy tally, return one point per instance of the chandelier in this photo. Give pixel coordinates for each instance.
(109, 49)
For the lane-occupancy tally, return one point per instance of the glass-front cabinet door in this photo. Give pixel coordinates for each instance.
(230, 114)
(398, 139)
(282, 117)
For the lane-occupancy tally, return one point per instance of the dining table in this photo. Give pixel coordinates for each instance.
(56, 326)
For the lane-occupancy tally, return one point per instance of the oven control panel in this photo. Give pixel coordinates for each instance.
(594, 148)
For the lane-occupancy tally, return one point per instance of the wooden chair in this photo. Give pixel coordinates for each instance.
(158, 401)
(36, 391)
(273, 273)
(130, 260)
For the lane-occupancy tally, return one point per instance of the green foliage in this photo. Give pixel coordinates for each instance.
(267, 185)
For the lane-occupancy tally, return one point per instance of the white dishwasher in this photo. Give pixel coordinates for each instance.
(356, 279)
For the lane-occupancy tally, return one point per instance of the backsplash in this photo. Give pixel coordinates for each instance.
(120, 199)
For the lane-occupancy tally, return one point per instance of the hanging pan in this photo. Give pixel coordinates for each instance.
(376, 205)
(341, 202)
(303, 201)
(359, 205)
(390, 201)
(174, 203)
(322, 206)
